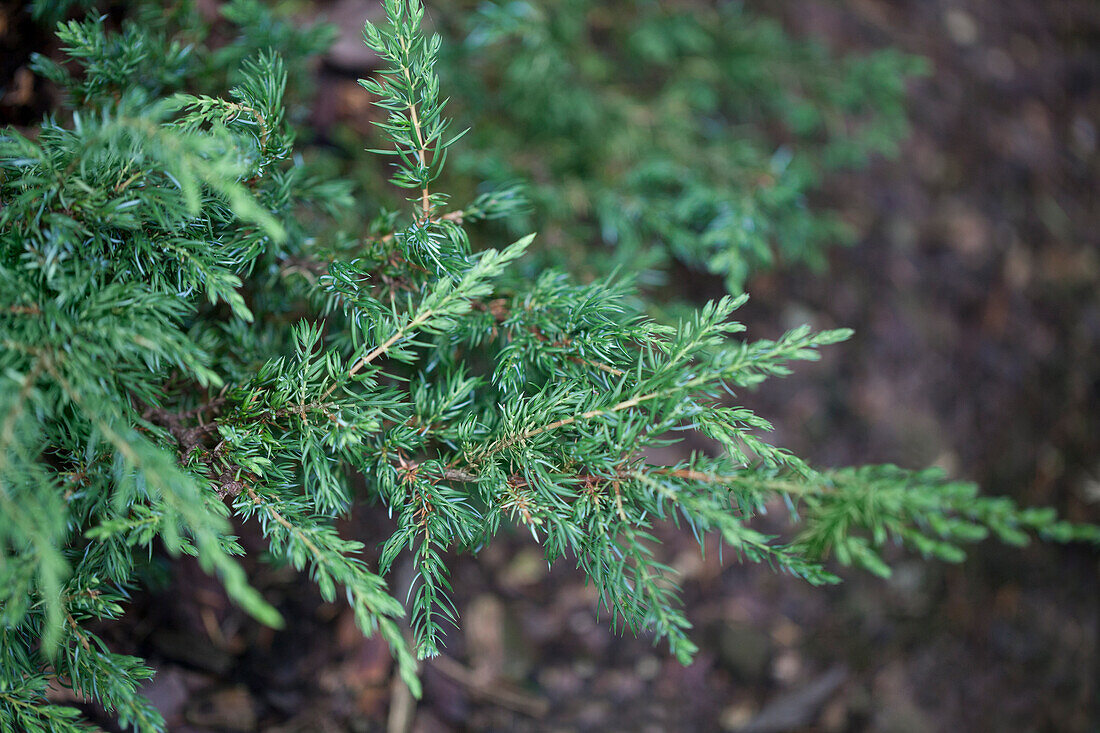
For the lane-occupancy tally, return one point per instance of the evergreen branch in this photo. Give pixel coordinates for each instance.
(421, 317)
(327, 556)
(132, 408)
(446, 301)
(7, 431)
(415, 120)
(182, 497)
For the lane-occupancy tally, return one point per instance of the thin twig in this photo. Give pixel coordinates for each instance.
(24, 310)
(492, 691)
(414, 120)
(279, 518)
(381, 348)
(402, 707)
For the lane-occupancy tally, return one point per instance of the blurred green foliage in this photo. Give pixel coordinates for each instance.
(650, 133)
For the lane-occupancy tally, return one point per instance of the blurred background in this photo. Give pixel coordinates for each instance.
(945, 207)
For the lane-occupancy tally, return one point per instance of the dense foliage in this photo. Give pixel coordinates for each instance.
(652, 133)
(200, 330)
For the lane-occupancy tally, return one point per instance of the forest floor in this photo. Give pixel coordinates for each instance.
(973, 292)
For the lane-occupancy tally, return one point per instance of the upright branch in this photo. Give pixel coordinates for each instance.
(414, 121)
(409, 91)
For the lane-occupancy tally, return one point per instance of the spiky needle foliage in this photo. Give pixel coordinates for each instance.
(181, 353)
(652, 133)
